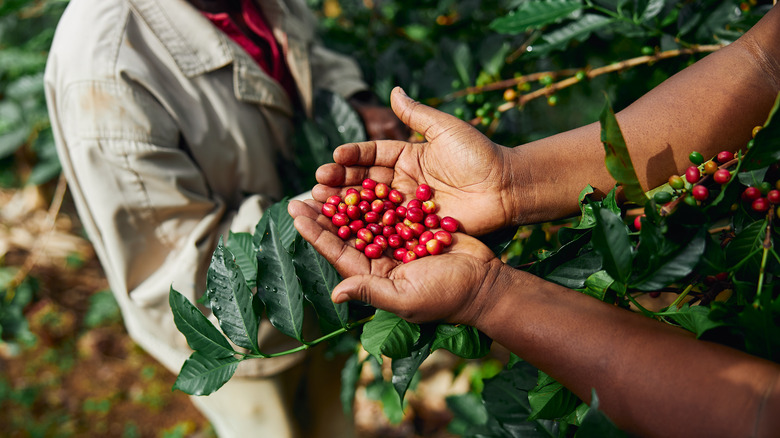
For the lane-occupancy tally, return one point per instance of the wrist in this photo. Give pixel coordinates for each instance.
(497, 293)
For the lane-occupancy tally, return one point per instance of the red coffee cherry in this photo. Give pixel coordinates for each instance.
(381, 190)
(353, 211)
(399, 254)
(410, 244)
(364, 206)
(340, 219)
(773, 196)
(424, 192)
(700, 193)
(371, 217)
(367, 195)
(417, 228)
(444, 237)
(449, 224)
(420, 250)
(434, 247)
(381, 241)
(710, 167)
(373, 251)
(638, 222)
(369, 184)
(364, 234)
(342, 207)
(395, 196)
(725, 156)
(429, 207)
(388, 231)
(426, 236)
(395, 241)
(356, 225)
(352, 190)
(344, 232)
(410, 256)
(760, 205)
(414, 203)
(692, 174)
(378, 206)
(352, 199)
(335, 200)
(375, 229)
(431, 221)
(406, 233)
(400, 211)
(329, 209)
(721, 176)
(415, 214)
(751, 193)
(360, 244)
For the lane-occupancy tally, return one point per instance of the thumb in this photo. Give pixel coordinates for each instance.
(376, 291)
(427, 121)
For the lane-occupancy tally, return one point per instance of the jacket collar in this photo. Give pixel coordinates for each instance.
(198, 47)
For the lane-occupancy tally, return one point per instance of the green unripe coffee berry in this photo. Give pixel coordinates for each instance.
(662, 197)
(765, 187)
(690, 200)
(676, 182)
(696, 158)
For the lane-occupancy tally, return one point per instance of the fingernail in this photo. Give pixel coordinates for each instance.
(401, 90)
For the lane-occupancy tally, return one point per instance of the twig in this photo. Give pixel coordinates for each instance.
(39, 247)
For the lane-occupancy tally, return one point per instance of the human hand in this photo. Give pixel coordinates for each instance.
(456, 286)
(472, 177)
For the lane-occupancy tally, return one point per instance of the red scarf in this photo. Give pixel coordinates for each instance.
(263, 48)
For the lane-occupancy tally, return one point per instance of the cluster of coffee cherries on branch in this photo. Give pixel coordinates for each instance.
(379, 221)
(691, 187)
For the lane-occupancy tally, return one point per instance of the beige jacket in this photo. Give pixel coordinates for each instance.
(167, 133)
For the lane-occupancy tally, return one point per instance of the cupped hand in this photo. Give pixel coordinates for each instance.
(454, 286)
(472, 177)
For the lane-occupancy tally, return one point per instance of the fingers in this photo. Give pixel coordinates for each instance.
(382, 153)
(376, 291)
(314, 227)
(427, 121)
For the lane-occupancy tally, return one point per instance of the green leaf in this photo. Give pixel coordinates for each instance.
(231, 299)
(611, 240)
(243, 249)
(461, 340)
(468, 412)
(390, 335)
(573, 273)
(653, 8)
(693, 318)
(201, 375)
(505, 397)
(492, 53)
(596, 424)
(578, 30)
(201, 334)
(766, 144)
(745, 249)
(598, 284)
(318, 278)
(461, 57)
(666, 267)
(550, 400)
(617, 159)
(278, 286)
(534, 15)
(405, 368)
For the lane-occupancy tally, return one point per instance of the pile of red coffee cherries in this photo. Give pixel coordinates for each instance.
(377, 219)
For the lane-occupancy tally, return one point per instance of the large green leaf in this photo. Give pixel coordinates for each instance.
(535, 14)
(575, 272)
(390, 335)
(462, 340)
(405, 368)
(243, 249)
(693, 318)
(578, 30)
(278, 286)
(468, 413)
(744, 250)
(598, 284)
(766, 145)
(201, 375)
(617, 159)
(201, 334)
(550, 400)
(318, 278)
(611, 240)
(505, 397)
(666, 267)
(231, 299)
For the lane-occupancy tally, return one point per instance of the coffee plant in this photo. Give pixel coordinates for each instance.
(706, 238)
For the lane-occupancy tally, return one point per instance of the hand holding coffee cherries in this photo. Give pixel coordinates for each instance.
(472, 177)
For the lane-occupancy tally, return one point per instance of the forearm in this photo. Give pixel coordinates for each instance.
(708, 107)
(652, 379)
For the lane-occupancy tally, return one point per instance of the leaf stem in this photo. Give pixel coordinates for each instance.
(767, 247)
(678, 300)
(307, 345)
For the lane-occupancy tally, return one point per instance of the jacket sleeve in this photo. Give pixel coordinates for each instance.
(148, 210)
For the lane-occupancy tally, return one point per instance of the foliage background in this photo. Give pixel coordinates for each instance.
(60, 325)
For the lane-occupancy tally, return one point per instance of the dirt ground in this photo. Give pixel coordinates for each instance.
(81, 375)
